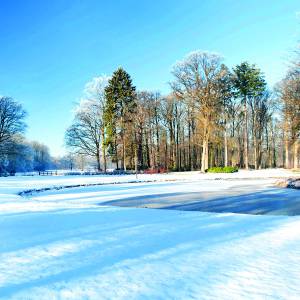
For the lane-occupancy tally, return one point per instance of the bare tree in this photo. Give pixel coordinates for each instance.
(289, 92)
(196, 77)
(41, 156)
(86, 134)
(11, 122)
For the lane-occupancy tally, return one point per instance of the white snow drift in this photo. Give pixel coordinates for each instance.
(62, 246)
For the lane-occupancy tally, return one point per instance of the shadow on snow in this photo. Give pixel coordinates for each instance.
(273, 201)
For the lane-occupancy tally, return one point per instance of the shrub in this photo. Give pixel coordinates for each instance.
(223, 170)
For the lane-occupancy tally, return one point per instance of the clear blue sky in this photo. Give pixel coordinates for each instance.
(50, 49)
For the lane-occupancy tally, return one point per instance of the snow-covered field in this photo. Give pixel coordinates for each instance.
(70, 244)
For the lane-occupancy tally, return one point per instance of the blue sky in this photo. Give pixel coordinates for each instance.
(49, 50)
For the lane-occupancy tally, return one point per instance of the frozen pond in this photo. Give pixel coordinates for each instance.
(273, 201)
(249, 196)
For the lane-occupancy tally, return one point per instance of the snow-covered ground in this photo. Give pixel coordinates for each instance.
(69, 244)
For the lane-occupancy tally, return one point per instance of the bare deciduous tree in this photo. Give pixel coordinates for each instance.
(86, 134)
(196, 78)
(11, 122)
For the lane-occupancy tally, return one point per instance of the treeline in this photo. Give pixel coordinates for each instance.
(213, 116)
(288, 91)
(16, 153)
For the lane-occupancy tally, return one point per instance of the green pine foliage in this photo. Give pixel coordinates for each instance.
(248, 80)
(120, 104)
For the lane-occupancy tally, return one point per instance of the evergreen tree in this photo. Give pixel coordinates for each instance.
(248, 82)
(119, 108)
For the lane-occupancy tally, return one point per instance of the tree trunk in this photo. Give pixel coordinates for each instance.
(177, 167)
(287, 159)
(157, 142)
(140, 149)
(204, 160)
(268, 146)
(117, 157)
(98, 161)
(255, 153)
(152, 150)
(246, 135)
(295, 150)
(189, 147)
(225, 149)
(274, 150)
(124, 154)
(260, 154)
(240, 152)
(194, 150)
(123, 144)
(147, 150)
(135, 154)
(166, 155)
(104, 152)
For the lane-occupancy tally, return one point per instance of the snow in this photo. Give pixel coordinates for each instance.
(69, 244)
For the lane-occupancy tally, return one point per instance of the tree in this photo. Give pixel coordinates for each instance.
(86, 134)
(12, 122)
(41, 157)
(289, 93)
(120, 106)
(248, 82)
(18, 157)
(197, 78)
(148, 128)
(94, 92)
(260, 116)
(226, 96)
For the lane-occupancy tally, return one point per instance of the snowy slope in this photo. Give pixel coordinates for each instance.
(62, 246)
